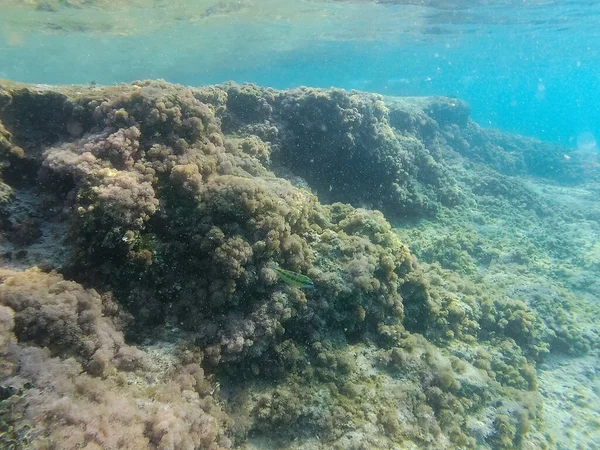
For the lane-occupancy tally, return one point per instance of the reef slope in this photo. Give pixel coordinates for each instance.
(141, 225)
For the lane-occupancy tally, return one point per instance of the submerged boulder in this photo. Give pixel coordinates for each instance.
(176, 206)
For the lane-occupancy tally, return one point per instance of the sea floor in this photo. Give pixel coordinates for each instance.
(563, 259)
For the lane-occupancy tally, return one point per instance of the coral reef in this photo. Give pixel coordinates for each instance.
(176, 203)
(343, 145)
(71, 381)
(163, 200)
(445, 121)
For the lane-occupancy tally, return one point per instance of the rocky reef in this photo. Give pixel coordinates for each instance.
(142, 225)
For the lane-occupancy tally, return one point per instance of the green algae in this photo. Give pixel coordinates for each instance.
(181, 220)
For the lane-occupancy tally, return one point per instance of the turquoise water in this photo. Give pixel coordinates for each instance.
(261, 266)
(526, 67)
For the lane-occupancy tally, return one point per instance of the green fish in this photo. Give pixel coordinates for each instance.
(294, 278)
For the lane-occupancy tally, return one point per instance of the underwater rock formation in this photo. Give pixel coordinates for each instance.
(344, 146)
(174, 204)
(70, 381)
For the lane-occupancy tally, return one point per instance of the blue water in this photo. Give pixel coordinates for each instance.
(525, 67)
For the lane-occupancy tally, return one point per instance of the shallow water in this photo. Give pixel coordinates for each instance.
(140, 222)
(529, 67)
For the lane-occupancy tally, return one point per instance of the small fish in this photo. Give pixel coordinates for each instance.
(294, 278)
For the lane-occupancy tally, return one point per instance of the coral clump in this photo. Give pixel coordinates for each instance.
(73, 382)
(184, 225)
(343, 145)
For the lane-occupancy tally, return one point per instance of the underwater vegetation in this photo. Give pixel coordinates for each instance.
(203, 268)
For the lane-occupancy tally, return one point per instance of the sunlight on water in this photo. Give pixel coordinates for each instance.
(324, 20)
